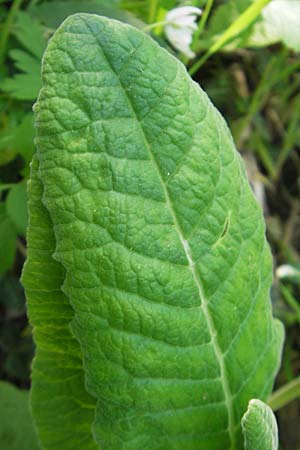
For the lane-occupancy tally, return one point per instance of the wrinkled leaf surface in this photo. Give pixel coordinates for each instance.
(159, 247)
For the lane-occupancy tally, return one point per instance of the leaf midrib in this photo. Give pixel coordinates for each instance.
(188, 253)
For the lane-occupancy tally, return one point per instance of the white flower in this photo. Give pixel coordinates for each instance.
(181, 24)
(286, 270)
(283, 19)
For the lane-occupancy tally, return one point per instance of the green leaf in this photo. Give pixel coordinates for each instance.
(62, 409)
(18, 139)
(6, 153)
(30, 34)
(16, 428)
(22, 141)
(16, 207)
(24, 61)
(11, 294)
(259, 427)
(54, 13)
(7, 240)
(23, 86)
(159, 246)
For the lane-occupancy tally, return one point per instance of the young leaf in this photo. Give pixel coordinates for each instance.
(158, 239)
(259, 427)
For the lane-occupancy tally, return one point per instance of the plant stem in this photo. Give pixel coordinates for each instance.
(290, 138)
(152, 10)
(263, 154)
(261, 93)
(237, 27)
(21, 247)
(285, 394)
(156, 24)
(7, 28)
(6, 186)
(291, 301)
(203, 20)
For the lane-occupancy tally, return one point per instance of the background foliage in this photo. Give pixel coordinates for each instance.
(252, 76)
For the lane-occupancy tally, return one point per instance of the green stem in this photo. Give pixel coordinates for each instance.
(22, 249)
(6, 186)
(7, 28)
(264, 155)
(156, 24)
(285, 394)
(291, 301)
(152, 10)
(203, 20)
(276, 70)
(289, 139)
(195, 67)
(238, 26)
(261, 94)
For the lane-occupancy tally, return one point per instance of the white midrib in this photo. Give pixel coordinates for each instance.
(187, 250)
(204, 302)
(204, 305)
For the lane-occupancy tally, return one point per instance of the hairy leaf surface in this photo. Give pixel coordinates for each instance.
(62, 409)
(159, 241)
(259, 427)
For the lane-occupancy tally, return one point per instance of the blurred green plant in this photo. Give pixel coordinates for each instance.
(16, 427)
(247, 60)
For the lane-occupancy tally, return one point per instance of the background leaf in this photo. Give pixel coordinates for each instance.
(30, 34)
(8, 240)
(16, 207)
(23, 86)
(54, 13)
(16, 428)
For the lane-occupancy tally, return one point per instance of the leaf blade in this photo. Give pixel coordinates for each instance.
(62, 410)
(165, 203)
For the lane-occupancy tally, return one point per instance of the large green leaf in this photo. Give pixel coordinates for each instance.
(159, 246)
(259, 427)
